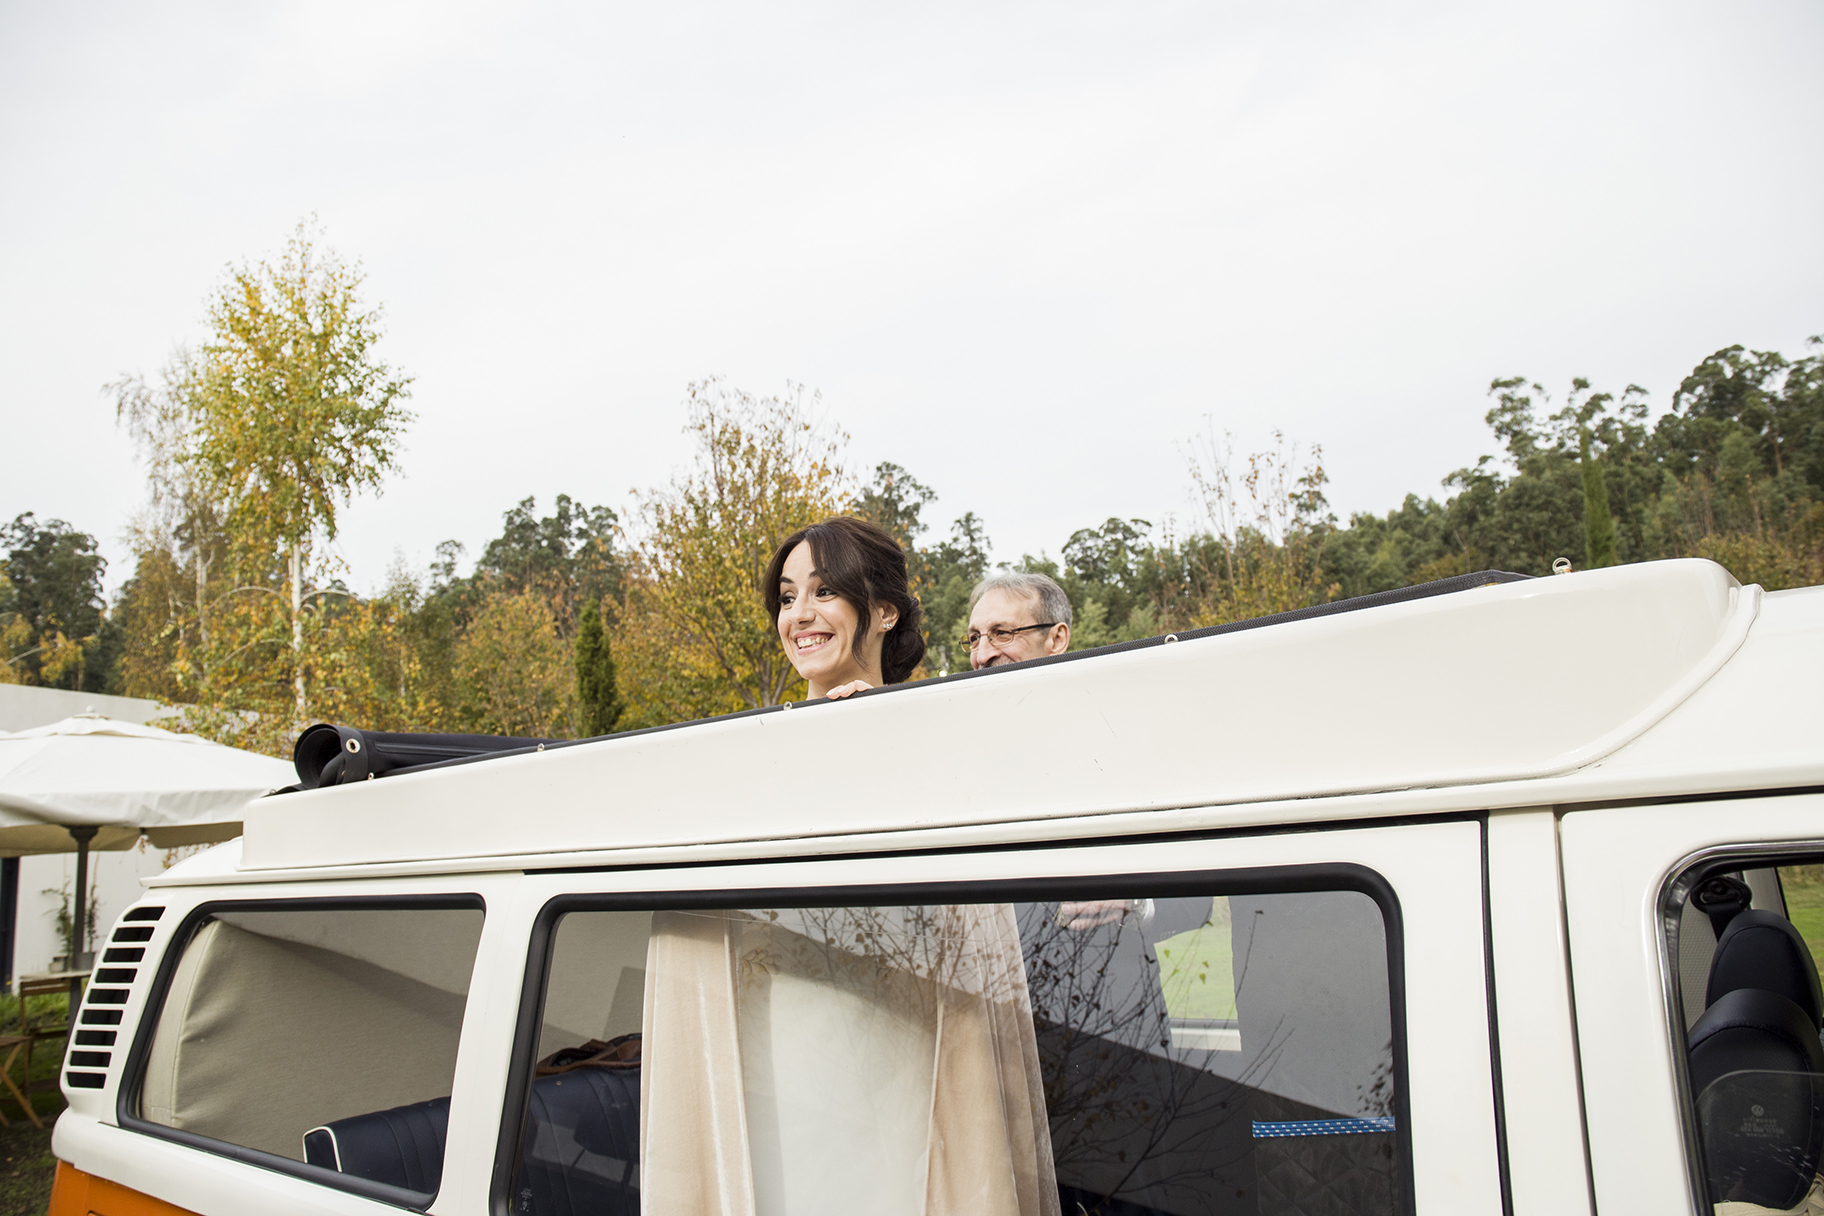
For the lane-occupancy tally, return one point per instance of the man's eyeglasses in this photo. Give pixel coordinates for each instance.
(1000, 638)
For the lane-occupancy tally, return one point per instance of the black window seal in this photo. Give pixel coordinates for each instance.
(1681, 880)
(126, 1106)
(1494, 1027)
(1257, 880)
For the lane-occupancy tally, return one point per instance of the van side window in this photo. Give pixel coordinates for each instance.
(1803, 890)
(1218, 1053)
(1752, 1012)
(320, 1036)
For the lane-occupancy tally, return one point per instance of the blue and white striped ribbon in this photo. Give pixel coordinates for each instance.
(1323, 1127)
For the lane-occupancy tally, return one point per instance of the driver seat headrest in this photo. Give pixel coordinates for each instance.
(1762, 950)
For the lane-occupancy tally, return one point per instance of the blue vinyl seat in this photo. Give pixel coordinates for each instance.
(580, 1155)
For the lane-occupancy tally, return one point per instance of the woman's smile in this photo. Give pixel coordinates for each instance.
(820, 630)
(837, 605)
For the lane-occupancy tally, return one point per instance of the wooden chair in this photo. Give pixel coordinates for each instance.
(34, 1029)
(12, 1045)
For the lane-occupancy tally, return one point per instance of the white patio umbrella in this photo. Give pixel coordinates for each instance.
(89, 782)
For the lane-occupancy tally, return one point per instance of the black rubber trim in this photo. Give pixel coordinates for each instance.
(1260, 880)
(126, 1105)
(1494, 1030)
(1380, 599)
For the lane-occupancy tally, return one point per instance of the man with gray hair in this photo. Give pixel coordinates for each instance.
(1014, 617)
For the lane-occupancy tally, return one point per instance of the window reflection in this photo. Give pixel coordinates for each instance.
(1222, 1054)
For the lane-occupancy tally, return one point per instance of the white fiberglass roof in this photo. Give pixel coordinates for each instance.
(1532, 691)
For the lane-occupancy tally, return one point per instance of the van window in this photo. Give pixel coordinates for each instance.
(314, 1034)
(1747, 979)
(1209, 1054)
(1803, 889)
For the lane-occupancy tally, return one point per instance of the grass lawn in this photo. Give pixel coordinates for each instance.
(26, 1164)
(1197, 969)
(26, 1168)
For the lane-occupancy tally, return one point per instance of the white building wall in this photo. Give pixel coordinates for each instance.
(23, 706)
(116, 882)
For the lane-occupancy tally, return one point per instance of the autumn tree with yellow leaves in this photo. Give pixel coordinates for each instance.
(252, 444)
(294, 414)
(693, 637)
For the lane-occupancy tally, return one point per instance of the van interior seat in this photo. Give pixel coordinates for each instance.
(580, 1158)
(401, 1147)
(1762, 950)
(1763, 1132)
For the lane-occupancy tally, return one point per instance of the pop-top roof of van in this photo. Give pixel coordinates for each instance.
(329, 754)
(1531, 691)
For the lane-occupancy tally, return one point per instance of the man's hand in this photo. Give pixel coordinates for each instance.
(1088, 914)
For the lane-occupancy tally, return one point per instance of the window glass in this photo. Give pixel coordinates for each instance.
(1216, 1054)
(1748, 979)
(1803, 887)
(325, 1036)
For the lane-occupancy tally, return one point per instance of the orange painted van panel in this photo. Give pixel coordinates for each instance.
(75, 1193)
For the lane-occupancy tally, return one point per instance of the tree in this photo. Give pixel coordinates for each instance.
(570, 554)
(942, 575)
(16, 636)
(598, 697)
(1735, 391)
(1598, 523)
(514, 674)
(948, 573)
(52, 611)
(1106, 574)
(293, 413)
(167, 625)
(1265, 550)
(694, 636)
(894, 500)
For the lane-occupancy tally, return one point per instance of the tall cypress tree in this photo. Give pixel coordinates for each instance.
(598, 696)
(1598, 523)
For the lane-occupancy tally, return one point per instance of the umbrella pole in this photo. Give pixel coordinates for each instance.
(77, 914)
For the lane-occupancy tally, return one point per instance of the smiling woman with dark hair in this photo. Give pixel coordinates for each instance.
(838, 594)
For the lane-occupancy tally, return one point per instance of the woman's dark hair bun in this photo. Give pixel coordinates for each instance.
(864, 564)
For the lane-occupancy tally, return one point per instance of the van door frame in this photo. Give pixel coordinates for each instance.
(1622, 871)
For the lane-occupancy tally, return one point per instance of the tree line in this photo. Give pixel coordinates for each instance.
(578, 621)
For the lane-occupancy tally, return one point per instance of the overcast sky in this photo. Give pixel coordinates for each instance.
(1022, 249)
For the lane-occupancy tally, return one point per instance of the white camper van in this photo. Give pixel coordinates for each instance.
(1468, 898)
